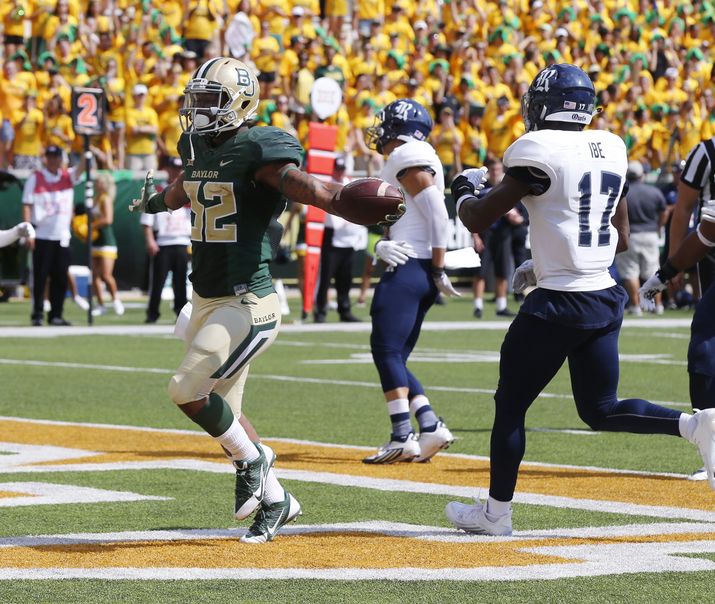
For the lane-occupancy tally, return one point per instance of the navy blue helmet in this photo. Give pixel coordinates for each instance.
(403, 119)
(559, 93)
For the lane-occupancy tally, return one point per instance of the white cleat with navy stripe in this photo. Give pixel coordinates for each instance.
(400, 449)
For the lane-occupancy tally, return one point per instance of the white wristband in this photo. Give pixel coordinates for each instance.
(703, 239)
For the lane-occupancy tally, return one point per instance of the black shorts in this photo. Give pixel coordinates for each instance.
(497, 252)
(267, 76)
(16, 40)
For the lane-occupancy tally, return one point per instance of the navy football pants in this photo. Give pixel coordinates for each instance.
(402, 299)
(532, 353)
(701, 352)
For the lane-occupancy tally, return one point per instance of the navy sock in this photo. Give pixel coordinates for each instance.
(425, 415)
(399, 410)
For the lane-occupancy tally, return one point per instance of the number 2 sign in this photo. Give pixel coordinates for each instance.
(88, 110)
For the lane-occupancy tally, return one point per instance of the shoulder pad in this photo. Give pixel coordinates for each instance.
(270, 144)
(529, 151)
(412, 153)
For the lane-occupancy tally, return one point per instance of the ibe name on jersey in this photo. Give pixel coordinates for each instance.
(596, 151)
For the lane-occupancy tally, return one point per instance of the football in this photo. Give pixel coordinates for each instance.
(369, 201)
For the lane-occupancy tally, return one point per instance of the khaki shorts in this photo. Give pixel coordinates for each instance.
(223, 336)
(641, 259)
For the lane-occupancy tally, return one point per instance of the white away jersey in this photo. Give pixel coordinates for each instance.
(415, 225)
(573, 242)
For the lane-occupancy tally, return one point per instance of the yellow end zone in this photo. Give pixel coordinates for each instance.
(119, 444)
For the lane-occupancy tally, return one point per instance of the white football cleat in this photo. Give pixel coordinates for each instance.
(433, 442)
(473, 519)
(704, 438)
(396, 450)
(698, 475)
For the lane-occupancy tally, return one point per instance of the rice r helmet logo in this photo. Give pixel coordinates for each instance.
(543, 80)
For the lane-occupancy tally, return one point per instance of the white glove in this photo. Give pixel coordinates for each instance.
(468, 183)
(444, 285)
(648, 291)
(25, 230)
(148, 191)
(477, 176)
(394, 252)
(523, 277)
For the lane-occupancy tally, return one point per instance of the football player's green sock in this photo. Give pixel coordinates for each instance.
(218, 420)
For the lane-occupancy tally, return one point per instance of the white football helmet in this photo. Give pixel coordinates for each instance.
(221, 95)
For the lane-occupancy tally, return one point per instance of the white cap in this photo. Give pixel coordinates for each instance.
(537, 4)
(635, 170)
(561, 31)
(140, 89)
(546, 26)
(420, 25)
(298, 11)
(671, 72)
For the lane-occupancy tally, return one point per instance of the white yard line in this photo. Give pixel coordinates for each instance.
(364, 327)
(288, 378)
(313, 443)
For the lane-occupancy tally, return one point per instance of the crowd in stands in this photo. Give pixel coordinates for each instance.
(468, 61)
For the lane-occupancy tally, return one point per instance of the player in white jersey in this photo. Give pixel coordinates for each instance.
(572, 181)
(414, 250)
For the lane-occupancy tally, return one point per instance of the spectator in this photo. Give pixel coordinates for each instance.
(340, 240)
(265, 52)
(58, 130)
(240, 33)
(14, 14)
(447, 140)
(168, 237)
(116, 115)
(27, 146)
(142, 131)
(646, 215)
(104, 248)
(48, 201)
(201, 22)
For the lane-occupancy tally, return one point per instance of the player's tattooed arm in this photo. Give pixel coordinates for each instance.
(479, 214)
(298, 186)
(176, 197)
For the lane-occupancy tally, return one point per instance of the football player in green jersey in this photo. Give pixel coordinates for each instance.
(237, 180)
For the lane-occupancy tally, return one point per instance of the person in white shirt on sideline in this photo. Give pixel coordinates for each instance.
(168, 238)
(340, 240)
(48, 203)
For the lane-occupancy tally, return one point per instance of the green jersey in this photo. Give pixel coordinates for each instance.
(234, 218)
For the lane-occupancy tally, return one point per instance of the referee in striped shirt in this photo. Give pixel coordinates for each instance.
(697, 185)
(696, 191)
